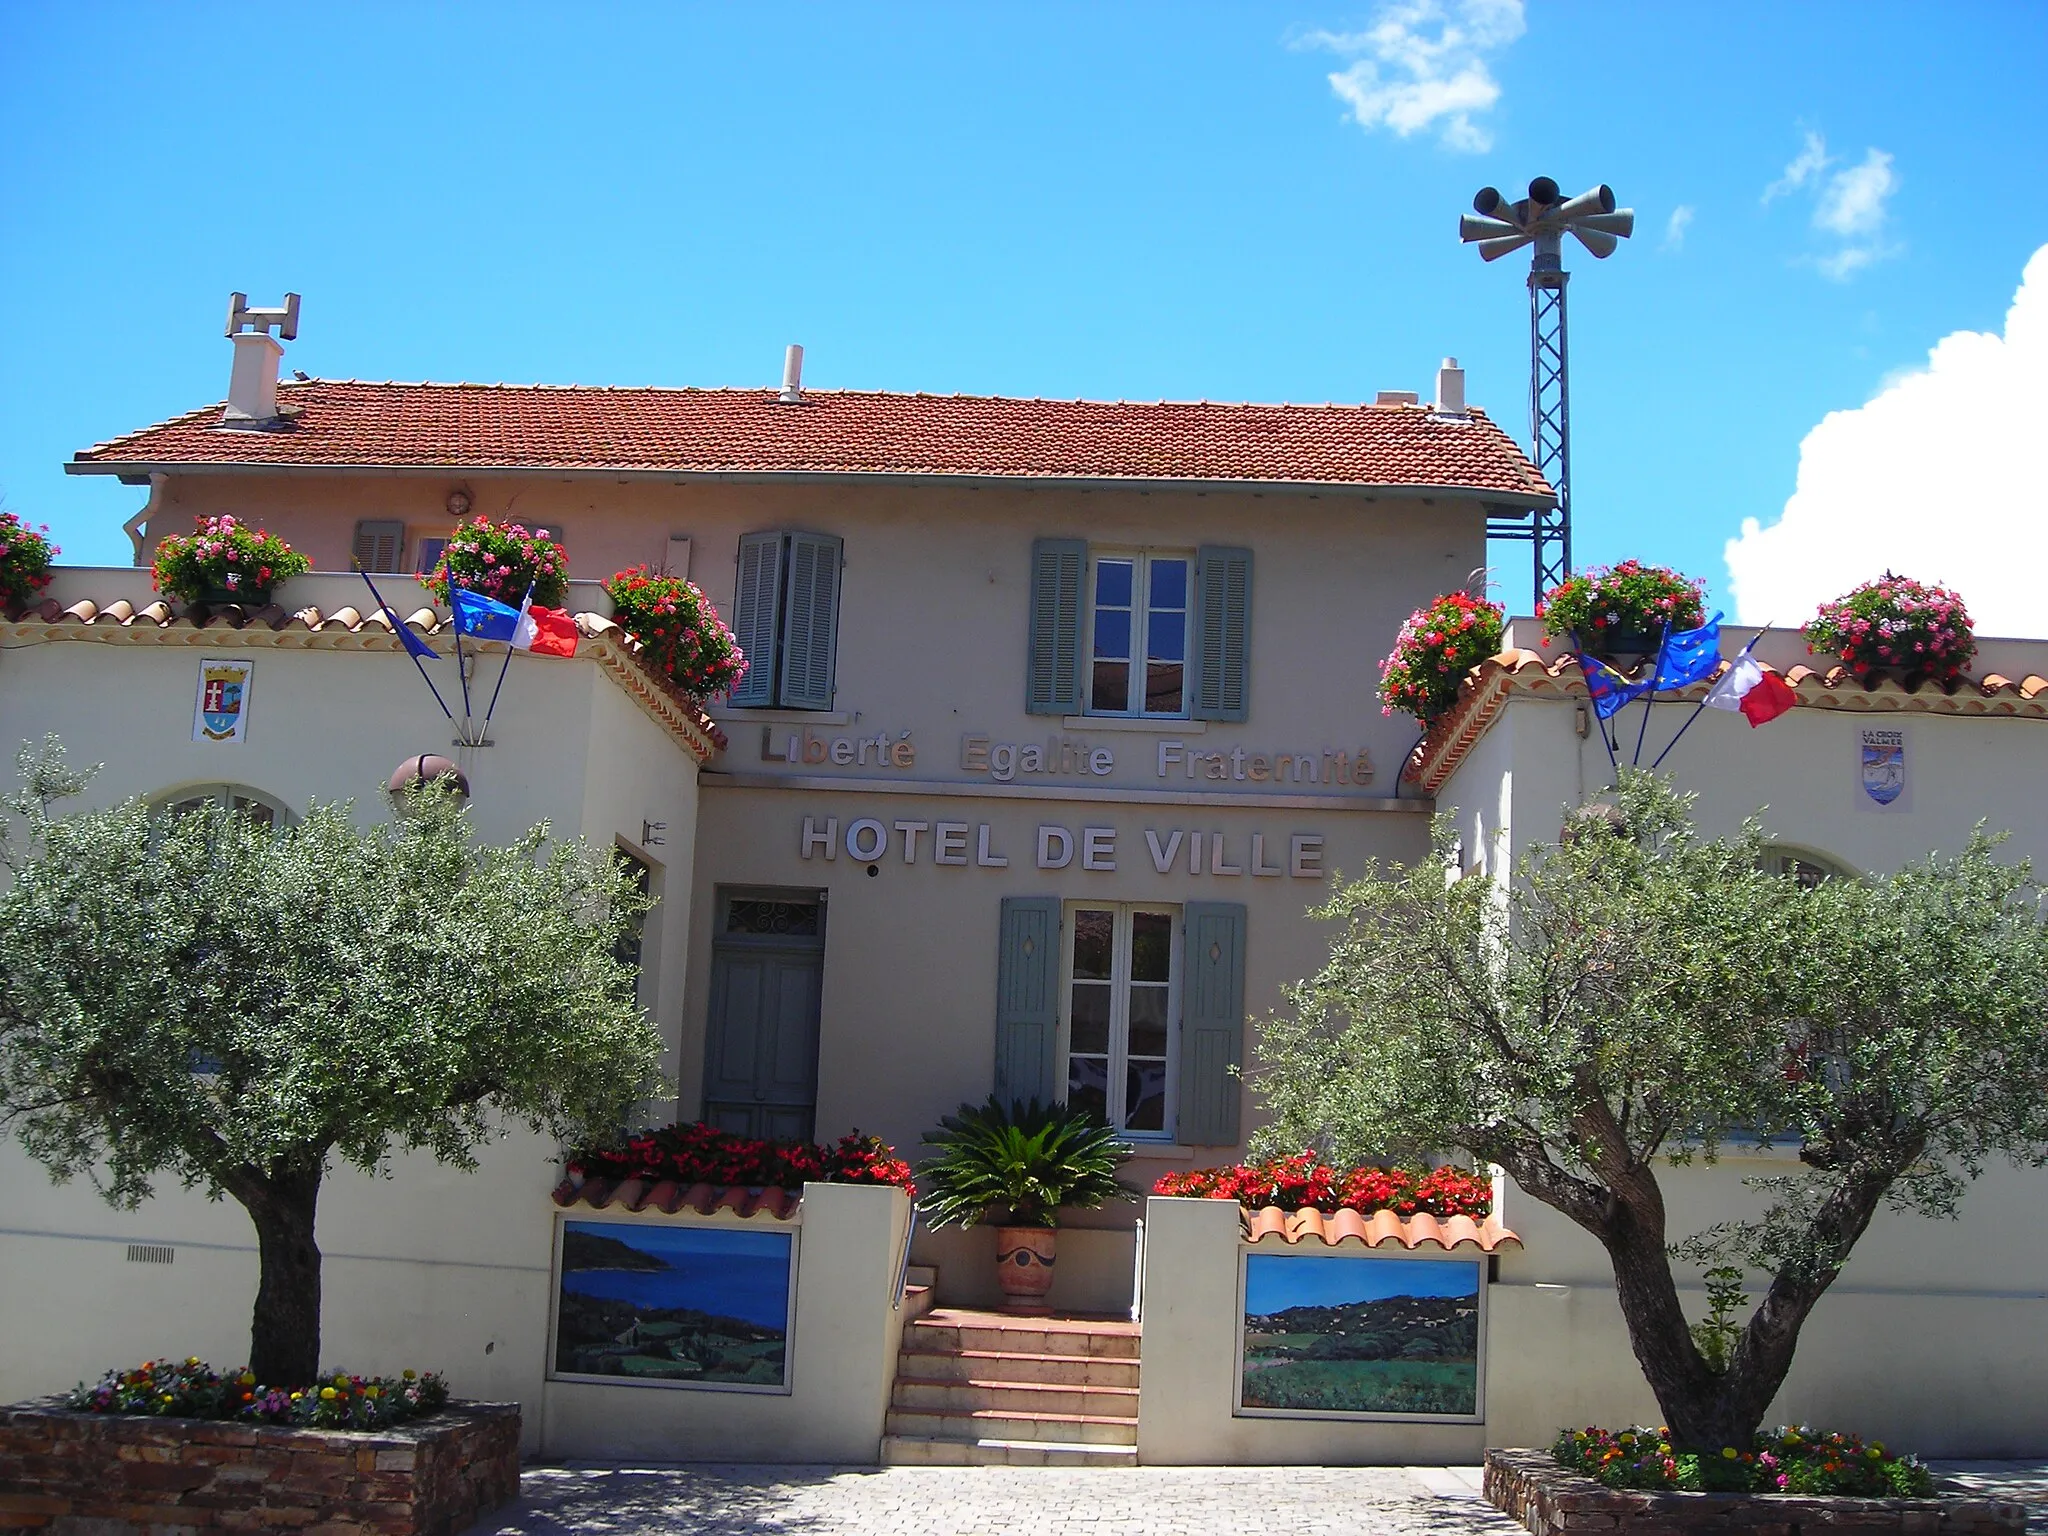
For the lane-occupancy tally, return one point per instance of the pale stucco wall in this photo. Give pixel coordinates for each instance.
(842, 1360)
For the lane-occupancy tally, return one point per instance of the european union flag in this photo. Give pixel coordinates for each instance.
(1689, 656)
(480, 617)
(1610, 690)
(415, 647)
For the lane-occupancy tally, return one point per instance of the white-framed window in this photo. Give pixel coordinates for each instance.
(253, 803)
(1121, 978)
(1138, 604)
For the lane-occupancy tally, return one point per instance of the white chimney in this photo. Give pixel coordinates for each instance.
(1450, 389)
(792, 376)
(252, 387)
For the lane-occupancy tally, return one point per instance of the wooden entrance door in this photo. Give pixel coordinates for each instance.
(761, 1040)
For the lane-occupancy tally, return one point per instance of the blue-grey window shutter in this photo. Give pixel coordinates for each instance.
(810, 621)
(1212, 1023)
(1059, 568)
(1027, 998)
(1221, 650)
(757, 615)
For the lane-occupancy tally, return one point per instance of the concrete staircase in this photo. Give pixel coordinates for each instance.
(995, 1389)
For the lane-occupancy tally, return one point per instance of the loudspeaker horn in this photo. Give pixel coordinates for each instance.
(1471, 227)
(1621, 222)
(1493, 250)
(1602, 246)
(1599, 200)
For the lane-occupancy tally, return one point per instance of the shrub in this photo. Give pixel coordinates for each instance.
(1896, 624)
(1304, 1183)
(1026, 1160)
(696, 1153)
(221, 554)
(25, 556)
(1438, 645)
(501, 561)
(1790, 1459)
(680, 633)
(1629, 598)
(191, 1389)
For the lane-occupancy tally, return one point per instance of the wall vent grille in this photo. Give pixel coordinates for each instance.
(151, 1253)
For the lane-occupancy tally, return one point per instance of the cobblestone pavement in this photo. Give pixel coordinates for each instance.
(1051, 1501)
(971, 1501)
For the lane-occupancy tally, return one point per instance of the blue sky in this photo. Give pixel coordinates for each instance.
(1046, 199)
(1275, 1281)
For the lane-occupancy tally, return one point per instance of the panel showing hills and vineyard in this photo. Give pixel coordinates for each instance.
(1361, 1335)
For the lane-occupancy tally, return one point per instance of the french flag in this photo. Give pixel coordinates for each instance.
(1747, 689)
(544, 631)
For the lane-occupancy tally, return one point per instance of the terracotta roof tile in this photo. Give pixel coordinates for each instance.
(347, 423)
(1486, 689)
(669, 1197)
(1380, 1229)
(617, 652)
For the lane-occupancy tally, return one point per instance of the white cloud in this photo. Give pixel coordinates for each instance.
(1937, 477)
(1850, 206)
(1853, 204)
(1422, 64)
(1807, 164)
(1676, 226)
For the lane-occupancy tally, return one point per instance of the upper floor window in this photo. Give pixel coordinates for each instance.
(1808, 869)
(786, 619)
(1138, 635)
(1157, 633)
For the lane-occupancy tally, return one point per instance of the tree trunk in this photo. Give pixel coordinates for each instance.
(284, 1335)
(1692, 1396)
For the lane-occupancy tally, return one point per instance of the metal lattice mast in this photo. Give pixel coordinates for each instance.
(1540, 220)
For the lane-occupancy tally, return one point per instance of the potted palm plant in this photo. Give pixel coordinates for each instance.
(1018, 1165)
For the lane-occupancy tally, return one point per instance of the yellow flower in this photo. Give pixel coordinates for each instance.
(410, 1373)
(1730, 1452)
(167, 1397)
(327, 1394)
(369, 1391)
(191, 1359)
(247, 1378)
(297, 1395)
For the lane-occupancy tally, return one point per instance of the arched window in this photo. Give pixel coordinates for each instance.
(253, 803)
(1806, 867)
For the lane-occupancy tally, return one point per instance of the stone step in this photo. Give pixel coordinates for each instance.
(931, 1451)
(944, 1330)
(925, 1394)
(917, 1300)
(1013, 1424)
(1015, 1365)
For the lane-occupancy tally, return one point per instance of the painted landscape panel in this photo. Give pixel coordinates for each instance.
(1360, 1335)
(705, 1306)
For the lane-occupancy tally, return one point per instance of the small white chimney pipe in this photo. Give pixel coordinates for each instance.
(252, 386)
(792, 376)
(1450, 389)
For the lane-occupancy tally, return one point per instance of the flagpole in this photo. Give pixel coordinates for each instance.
(1599, 719)
(1700, 707)
(461, 667)
(1650, 697)
(390, 613)
(524, 604)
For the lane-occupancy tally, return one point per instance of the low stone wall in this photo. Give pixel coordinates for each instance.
(1550, 1501)
(113, 1474)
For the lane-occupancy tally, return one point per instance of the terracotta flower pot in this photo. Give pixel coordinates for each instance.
(1024, 1267)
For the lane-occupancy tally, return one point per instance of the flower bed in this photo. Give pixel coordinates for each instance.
(501, 561)
(1438, 645)
(1621, 608)
(1551, 1501)
(223, 559)
(1790, 1459)
(696, 1153)
(1301, 1182)
(1896, 624)
(680, 633)
(124, 1475)
(25, 557)
(191, 1389)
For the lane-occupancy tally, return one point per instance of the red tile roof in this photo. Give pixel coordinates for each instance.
(338, 423)
(1486, 690)
(669, 1197)
(1379, 1229)
(349, 628)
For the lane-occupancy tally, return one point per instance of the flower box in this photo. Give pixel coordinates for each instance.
(115, 1473)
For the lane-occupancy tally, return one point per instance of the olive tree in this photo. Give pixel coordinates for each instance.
(240, 1007)
(1637, 993)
